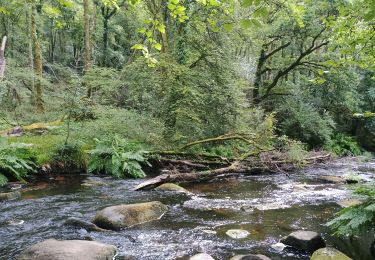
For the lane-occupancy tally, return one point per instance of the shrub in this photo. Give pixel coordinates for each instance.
(342, 145)
(117, 157)
(16, 161)
(71, 155)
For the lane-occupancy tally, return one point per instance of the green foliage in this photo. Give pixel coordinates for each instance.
(16, 161)
(117, 157)
(302, 121)
(342, 145)
(357, 219)
(70, 155)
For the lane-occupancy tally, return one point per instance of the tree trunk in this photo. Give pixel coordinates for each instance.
(87, 41)
(105, 41)
(38, 66)
(2, 57)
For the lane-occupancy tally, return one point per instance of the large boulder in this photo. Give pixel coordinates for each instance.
(127, 215)
(171, 187)
(52, 249)
(329, 253)
(10, 196)
(308, 241)
(250, 257)
(201, 256)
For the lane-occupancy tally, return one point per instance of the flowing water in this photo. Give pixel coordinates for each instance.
(267, 206)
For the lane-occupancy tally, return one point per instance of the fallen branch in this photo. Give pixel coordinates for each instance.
(247, 163)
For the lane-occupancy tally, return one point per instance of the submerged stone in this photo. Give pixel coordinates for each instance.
(171, 187)
(52, 249)
(308, 241)
(331, 179)
(127, 215)
(279, 247)
(250, 257)
(201, 256)
(237, 233)
(349, 202)
(80, 223)
(329, 253)
(10, 196)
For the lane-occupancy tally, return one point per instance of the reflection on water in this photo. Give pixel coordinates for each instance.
(268, 207)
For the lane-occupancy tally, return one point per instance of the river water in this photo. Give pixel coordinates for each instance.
(267, 206)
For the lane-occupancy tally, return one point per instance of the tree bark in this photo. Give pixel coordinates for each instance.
(87, 42)
(38, 65)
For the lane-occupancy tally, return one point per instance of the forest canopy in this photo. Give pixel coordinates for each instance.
(165, 73)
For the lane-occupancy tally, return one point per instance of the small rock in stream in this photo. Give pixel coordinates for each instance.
(171, 187)
(237, 233)
(331, 179)
(76, 222)
(201, 256)
(329, 253)
(15, 222)
(279, 247)
(250, 257)
(308, 241)
(52, 249)
(127, 215)
(10, 196)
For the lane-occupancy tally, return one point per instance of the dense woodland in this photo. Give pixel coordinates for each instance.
(116, 85)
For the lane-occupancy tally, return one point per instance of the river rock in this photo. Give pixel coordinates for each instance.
(331, 179)
(127, 215)
(308, 241)
(171, 187)
(237, 233)
(329, 253)
(10, 196)
(349, 203)
(52, 249)
(76, 222)
(279, 247)
(201, 256)
(250, 257)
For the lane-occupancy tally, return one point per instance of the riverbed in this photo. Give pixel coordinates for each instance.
(267, 206)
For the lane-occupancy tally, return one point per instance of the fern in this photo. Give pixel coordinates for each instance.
(16, 161)
(117, 157)
(359, 218)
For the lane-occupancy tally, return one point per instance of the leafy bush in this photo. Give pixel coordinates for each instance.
(300, 120)
(359, 218)
(71, 155)
(342, 145)
(118, 157)
(16, 161)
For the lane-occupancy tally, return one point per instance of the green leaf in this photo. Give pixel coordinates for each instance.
(245, 23)
(228, 27)
(157, 46)
(261, 12)
(247, 3)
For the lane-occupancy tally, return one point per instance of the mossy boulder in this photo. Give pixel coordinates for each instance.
(127, 215)
(171, 187)
(308, 241)
(10, 196)
(52, 249)
(329, 253)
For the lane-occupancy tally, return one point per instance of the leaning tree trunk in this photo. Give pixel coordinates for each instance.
(38, 66)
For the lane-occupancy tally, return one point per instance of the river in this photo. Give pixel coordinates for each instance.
(267, 206)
